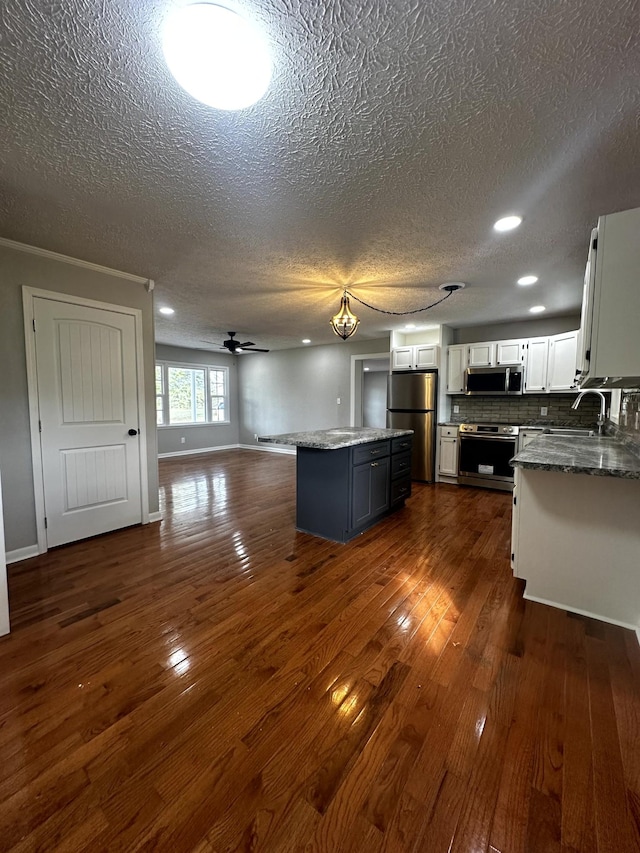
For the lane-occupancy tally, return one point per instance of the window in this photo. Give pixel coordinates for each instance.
(191, 394)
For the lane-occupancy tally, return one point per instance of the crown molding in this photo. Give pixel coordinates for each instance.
(66, 259)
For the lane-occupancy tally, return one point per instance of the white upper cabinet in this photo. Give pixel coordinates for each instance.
(402, 358)
(482, 354)
(456, 364)
(562, 362)
(537, 362)
(510, 352)
(426, 355)
(609, 354)
(416, 357)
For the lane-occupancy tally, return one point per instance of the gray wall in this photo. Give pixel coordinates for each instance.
(374, 399)
(209, 435)
(296, 389)
(18, 268)
(518, 329)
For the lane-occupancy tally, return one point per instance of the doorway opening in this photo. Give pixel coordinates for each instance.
(369, 373)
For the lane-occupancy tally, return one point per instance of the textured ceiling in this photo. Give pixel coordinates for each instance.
(394, 133)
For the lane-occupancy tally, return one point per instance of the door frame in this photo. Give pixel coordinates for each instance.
(356, 375)
(29, 294)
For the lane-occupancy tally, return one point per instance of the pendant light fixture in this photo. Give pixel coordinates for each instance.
(344, 323)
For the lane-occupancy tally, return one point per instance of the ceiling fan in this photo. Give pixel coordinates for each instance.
(235, 346)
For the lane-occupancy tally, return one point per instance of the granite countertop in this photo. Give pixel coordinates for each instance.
(334, 439)
(602, 456)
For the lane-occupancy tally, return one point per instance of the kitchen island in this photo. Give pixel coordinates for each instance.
(576, 529)
(348, 478)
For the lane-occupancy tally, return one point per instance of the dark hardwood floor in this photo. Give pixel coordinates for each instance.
(219, 682)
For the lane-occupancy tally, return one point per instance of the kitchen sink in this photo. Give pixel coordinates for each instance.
(569, 432)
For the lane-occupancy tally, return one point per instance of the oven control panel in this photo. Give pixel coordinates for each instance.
(490, 429)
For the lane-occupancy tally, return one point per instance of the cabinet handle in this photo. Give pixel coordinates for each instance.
(375, 452)
(374, 464)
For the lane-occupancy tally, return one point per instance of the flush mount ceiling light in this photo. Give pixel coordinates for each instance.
(507, 223)
(306, 340)
(166, 311)
(537, 309)
(216, 56)
(528, 279)
(345, 322)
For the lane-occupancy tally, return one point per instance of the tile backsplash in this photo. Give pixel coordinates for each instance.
(630, 414)
(525, 409)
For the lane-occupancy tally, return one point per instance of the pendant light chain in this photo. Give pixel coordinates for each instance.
(398, 313)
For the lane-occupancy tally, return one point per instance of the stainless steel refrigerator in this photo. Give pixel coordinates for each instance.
(411, 404)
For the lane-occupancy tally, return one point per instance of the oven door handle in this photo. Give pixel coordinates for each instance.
(465, 436)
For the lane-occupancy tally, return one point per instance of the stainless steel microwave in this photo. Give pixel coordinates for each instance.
(494, 380)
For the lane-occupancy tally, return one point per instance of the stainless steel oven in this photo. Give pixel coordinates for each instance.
(485, 451)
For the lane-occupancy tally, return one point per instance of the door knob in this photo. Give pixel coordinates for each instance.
(134, 431)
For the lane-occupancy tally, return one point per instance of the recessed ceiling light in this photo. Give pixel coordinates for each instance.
(528, 279)
(507, 223)
(366, 368)
(537, 309)
(216, 55)
(306, 340)
(166, 310)
(410, 326)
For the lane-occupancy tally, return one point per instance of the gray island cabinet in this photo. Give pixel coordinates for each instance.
(347, 479)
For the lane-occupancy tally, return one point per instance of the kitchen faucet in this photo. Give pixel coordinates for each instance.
(603, 406)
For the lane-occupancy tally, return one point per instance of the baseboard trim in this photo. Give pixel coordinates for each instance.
(577, 610)
(155, 516)
(269, 448)
(198, 450)
(22, 554)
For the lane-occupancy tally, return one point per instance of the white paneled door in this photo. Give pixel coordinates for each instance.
(88, 409)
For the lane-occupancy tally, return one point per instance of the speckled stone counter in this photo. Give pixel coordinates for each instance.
(598, 456)
(334, 439)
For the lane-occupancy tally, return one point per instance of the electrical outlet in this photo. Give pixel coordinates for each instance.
(456, 410)
(338, 400)
(543, 411)
(182, 439)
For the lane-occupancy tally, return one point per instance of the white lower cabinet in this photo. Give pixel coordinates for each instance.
(527, 435)
(447, 452)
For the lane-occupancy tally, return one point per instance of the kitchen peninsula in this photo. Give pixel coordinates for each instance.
(575, 534)
(348, 478)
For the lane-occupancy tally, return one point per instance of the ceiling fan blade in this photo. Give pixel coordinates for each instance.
(255, 349)
(245, 344)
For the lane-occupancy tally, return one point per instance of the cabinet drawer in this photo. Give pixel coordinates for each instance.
(400, 489)
(366, 452)
(401, 444)
(451, 431)
(400, 465)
